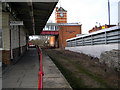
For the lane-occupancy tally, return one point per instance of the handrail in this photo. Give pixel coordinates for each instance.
(40, 85)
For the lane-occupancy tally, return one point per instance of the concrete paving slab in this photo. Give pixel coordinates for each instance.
(0, 83)
(53, 78)
(28, 84)
(10, 84)
(24, 74)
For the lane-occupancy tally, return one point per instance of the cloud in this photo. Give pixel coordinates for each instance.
(88, 12)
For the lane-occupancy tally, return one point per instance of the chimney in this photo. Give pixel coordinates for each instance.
(56, 8)
(95, 27)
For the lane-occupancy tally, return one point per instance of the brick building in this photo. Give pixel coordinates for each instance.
(100, 28)
(14, 39)
(66, 31)
(61, 29)
(60, 15)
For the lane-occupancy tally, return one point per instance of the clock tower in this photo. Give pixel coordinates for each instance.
(60, 15)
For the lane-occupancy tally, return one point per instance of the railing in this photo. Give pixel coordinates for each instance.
(108, 36)
(40, 85)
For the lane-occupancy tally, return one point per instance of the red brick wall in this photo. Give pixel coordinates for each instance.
(99, 28)
(6, 57)
(16, 53)
(67, 32)
(95, 29)
(59, 19)
(24, 48)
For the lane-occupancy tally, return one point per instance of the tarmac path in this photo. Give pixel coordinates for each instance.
(25, 73)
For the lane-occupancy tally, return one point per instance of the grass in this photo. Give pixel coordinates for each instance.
(75, 82)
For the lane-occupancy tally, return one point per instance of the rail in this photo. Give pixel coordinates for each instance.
(40, 85)
(107, 36)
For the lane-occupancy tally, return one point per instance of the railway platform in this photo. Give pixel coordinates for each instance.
(25, 73)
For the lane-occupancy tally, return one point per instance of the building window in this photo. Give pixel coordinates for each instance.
(0, 38)
(56, 28)
(52, 28)
(47, 27)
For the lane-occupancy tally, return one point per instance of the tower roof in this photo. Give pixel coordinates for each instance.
(61, 9)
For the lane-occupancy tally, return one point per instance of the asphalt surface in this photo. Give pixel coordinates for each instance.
(25, 73)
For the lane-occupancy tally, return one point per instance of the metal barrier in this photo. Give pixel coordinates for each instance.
(40, 85)
(107, 36)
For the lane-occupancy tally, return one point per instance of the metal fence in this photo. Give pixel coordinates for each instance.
(107, 36)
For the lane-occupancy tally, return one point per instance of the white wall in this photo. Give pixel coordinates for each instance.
(94, 50)
(5, 31)
(14, 37)
(0, 55)
(0, 20)
(22, 37)
(0, 29)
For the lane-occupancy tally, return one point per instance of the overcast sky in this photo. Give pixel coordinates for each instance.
(88, 12)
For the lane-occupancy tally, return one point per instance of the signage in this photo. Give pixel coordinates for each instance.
(16, 23)
(103, 27)
(70, 31)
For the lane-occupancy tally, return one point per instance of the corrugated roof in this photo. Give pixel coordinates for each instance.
(34, 15)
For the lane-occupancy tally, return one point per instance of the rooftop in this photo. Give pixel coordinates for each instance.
(64, 24)
(61, 9)
(97, 32)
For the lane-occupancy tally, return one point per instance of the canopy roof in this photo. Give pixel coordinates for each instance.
(33, 14)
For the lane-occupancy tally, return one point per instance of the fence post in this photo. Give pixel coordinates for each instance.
(105, 37)
(91, 40)
(70, 43)
(82, 41)
(75, 42)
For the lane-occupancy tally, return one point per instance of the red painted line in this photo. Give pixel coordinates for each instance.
(40, 85)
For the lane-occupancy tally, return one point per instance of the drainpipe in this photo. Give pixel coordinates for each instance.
(109, 12)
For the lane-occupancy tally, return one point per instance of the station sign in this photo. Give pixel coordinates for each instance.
(15, 23)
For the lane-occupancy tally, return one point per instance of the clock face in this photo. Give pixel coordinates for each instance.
(61, 14)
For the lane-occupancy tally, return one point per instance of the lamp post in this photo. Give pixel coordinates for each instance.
(109, 11)
(98, 24)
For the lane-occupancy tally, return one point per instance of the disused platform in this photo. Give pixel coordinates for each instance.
(53, 78)
(25, 73)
